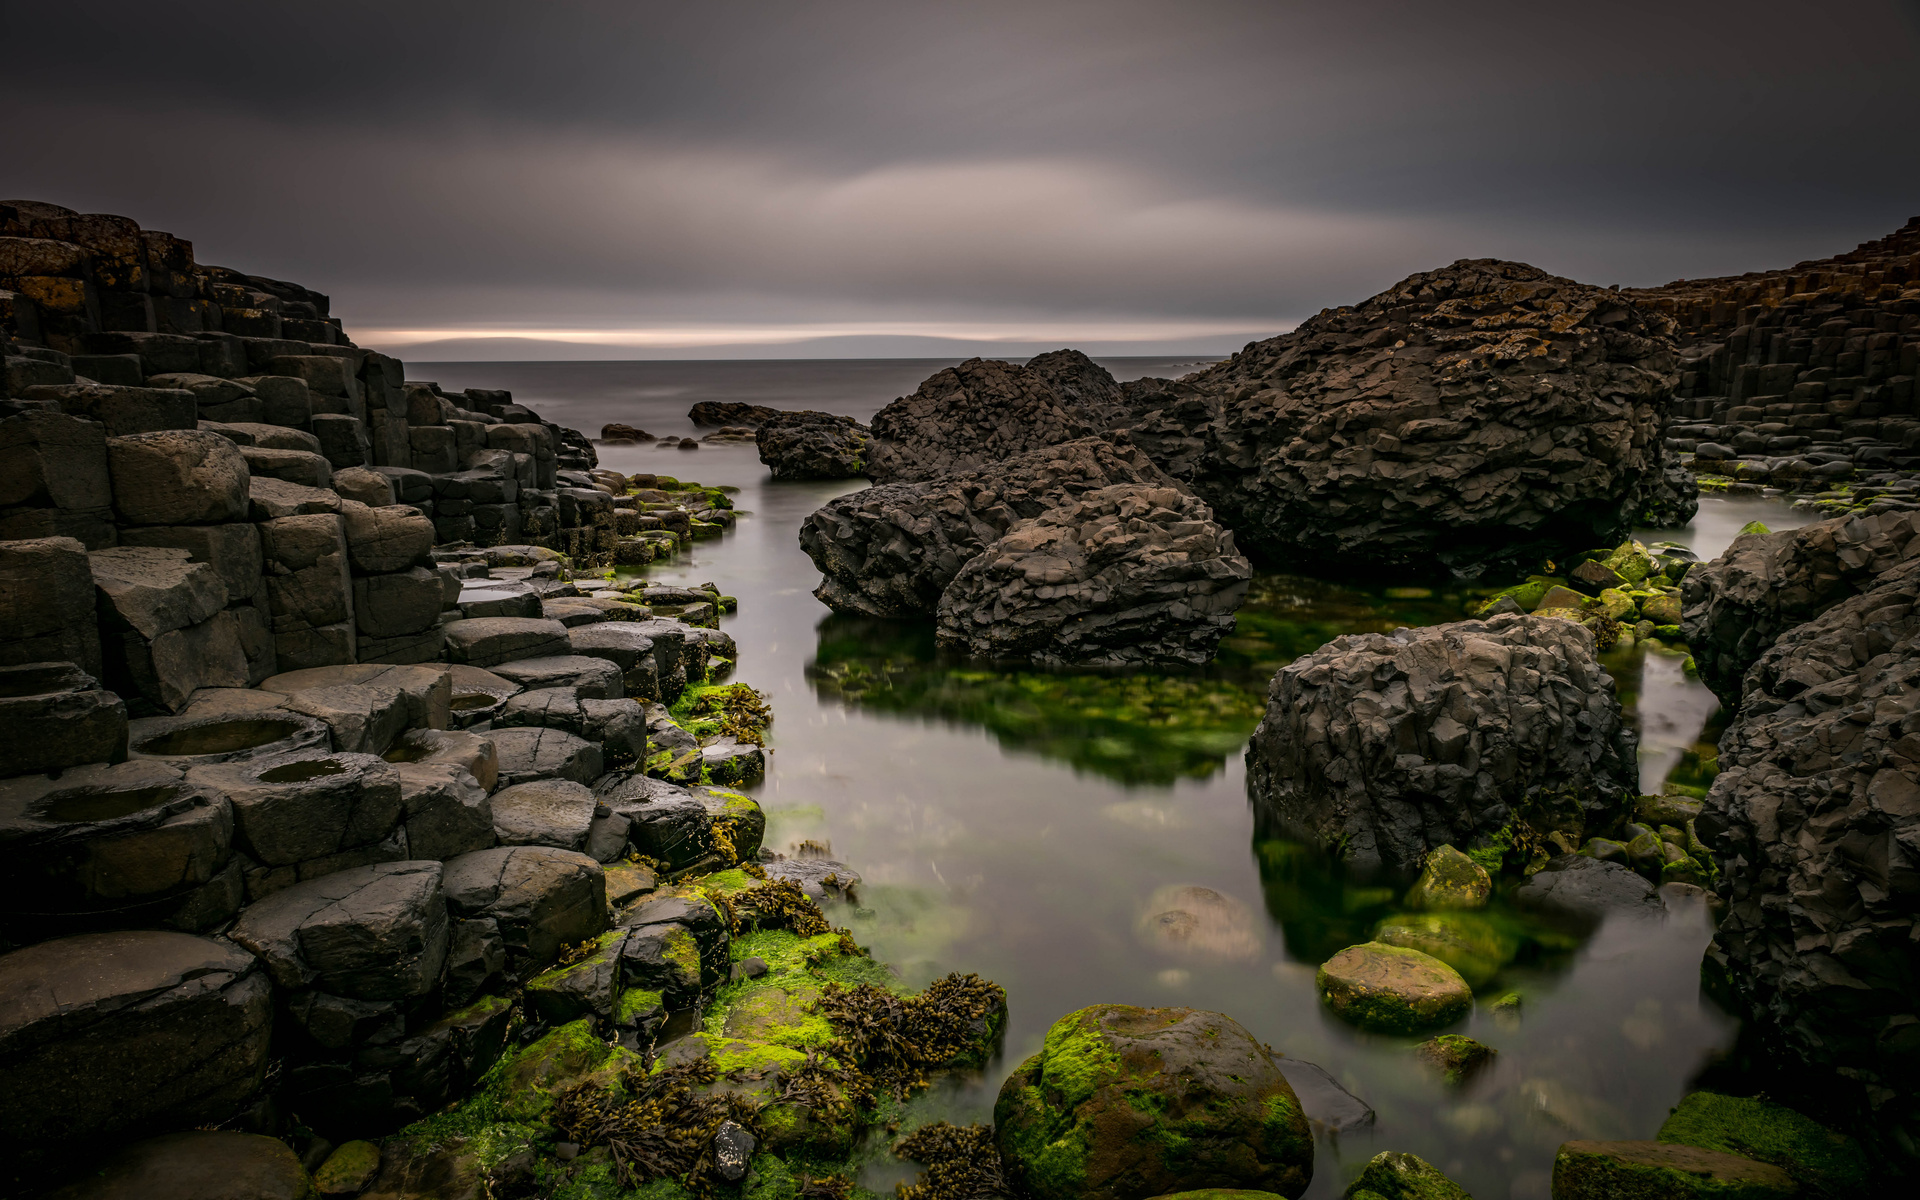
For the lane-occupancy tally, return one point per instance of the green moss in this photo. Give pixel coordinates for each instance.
(1474, 944)
(683, 951)
(1078, 1061)
(1810, 1152)
(1392, 1176)
(635, 1003)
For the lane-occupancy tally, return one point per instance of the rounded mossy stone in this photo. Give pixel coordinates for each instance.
(348, 1170)
(1390, 989)
(1773, 1133)
(1658, 1171)
(1454, 1055)
(1449, 880)
(1395, 1176)
(1123, 1102)
(1473, 944)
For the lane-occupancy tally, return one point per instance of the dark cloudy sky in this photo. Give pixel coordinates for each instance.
(639, 179)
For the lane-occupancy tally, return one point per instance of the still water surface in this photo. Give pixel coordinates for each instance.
(1019, 824)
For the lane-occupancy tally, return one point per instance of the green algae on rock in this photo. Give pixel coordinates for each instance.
(1395, 1176)
(1455, 1056)
(1123, 1102)
(1449, 879)
(1658, 1171)
(348, 1170)
(1830, 1163)
(1390, 989)
(1473, 944)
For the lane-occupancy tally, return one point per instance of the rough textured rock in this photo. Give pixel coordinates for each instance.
(54, 716)
(542, 898)
(619, 726)
(177, 477)
(369, 933)
(292, 808)
(1095, 1113)
(967, 417)
(891, 551)
(1767, 583)
(1450, 880)
(1388, 746)
(1129, 575)
(547, 812)
(1083, 387)
(471, 752)
(591, 678)
(1815, 821)
(107, 1034)
(715, 414)
(1586, 890)
(1395, 1176)
(448, 810)
(527, 754)
(196, 1165)
(1391, 989)
(1485, 414)
(1656, 1171)
(489, 641)
(813, 445)
(47, 603)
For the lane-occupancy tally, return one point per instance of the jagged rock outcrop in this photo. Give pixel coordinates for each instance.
(1130, 574)
(1483, 415)
(968, 417)
(1815, 820)
(1765, 584)
(890, 551)
(813, 445)
(1386, 746)
(1083, 387)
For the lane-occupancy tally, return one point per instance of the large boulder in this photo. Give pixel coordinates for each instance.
(1125, 575)
(966, 417)
(1482, 416)
(1815, 821)
(1124, 1103)
(891, 551)
(47, 603)
(370, 933)
(177, 477)
(106, 1035)
(813, 445)
(200, 1164)
(1388, 746)
(1767, 583)
(541, 898)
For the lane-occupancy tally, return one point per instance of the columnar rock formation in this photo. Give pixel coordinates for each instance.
(1815, 814)
(1804, 376)
(1385, 747)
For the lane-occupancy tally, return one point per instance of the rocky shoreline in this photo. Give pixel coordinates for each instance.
(370, 828)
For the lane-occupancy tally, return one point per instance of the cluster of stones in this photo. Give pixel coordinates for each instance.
(1814, 817)
(1024, 545)
(1626, 594)
(1803, 378)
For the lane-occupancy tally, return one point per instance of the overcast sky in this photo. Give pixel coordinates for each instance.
(714, 178)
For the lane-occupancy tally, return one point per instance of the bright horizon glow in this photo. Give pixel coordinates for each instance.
(663, 337)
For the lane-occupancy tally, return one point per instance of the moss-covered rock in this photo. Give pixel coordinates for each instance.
(1619, 605)
(1631, 561)
(586, 987)
(1456, 1057)
(1450, 880)
(348, 1170)
(1396, 1176)
(1659, 1171)
(522, 1087)
(1827, 1162)
(1475, 945)
(1123, 1102)
(1390, 989)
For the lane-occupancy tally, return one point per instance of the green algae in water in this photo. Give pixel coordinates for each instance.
(1135, 727)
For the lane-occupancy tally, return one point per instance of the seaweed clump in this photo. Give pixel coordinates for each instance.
(658, 1125)
(898, 1039)
(962, 1163)
(732, 710)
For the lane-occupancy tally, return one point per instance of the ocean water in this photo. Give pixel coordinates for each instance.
(1028, 825)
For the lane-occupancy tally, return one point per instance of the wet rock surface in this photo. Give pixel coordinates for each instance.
(969, 417)
(1079, 1118)
(813, 445)
(1388, 746)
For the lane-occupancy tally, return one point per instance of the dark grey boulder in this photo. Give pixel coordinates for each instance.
(813, 445)
(1482, 416)
(1124, 575)
(291, 808)
(594, 678)
(177, 477)
(891, 551)
(527, 754)
(488, 641)
(107, 845)
(470, 752)
(966, 417)
(619, 726)
(54, 716)
(370, 933)
(448, 812)
(199, 1164)
(546, 812)
(1587, 891)
(1388, 746)
(214, 737)
(1083, 387)
(362, 718)
(107, 1035)
(539, 897)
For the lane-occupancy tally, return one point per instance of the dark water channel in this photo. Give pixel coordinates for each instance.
(1025, 826)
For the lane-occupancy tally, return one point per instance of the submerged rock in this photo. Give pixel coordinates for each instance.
(1391, 989)
(1395, 1176)
(1099, 1112)
(1826, 1162)
(199, 1165)
(1454, 1056)
(1197, 922)
(813, 445)
(1450, 880)
(1389, 745)
(1484, 414)
(1125, 575)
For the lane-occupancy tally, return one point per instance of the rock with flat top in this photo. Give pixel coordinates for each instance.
(489, 641)
(369, 933)
(542, 898)
(177, 477)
